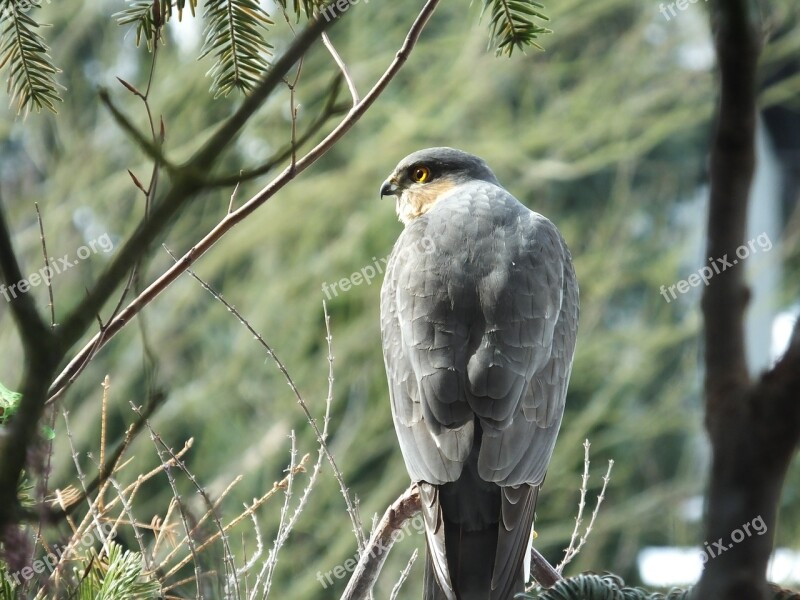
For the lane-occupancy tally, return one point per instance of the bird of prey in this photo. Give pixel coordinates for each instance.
(479, 314)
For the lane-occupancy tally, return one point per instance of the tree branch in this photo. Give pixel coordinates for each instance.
(331, 109)
(374, 555)
(29, 322)
(184, 186)
(754, 429)
(732, 164)
(234, 217)
(45, 350)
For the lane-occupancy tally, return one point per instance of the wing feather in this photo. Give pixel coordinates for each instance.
(480, 330)
(516, 522)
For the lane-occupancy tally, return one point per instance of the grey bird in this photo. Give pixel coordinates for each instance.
(479, 316)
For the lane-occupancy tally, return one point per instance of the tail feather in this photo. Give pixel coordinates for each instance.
(470, 564)
(477, 535)
(437, 573)
(465, 562)
(431, 590)
(513, 533)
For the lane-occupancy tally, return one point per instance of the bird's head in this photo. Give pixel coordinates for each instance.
(421, 178)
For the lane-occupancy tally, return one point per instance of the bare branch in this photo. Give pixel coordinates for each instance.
(352, 509)
(45, 349)
(48, 277)
(571, 550)
(404, 575)
(23, 308)
(233, 218)
(268, 569)
(342, 67)
(374, 555)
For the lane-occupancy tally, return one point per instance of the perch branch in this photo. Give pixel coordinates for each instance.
(373, 557)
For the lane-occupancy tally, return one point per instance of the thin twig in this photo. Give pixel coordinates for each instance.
(321, 454)
(127, 509)
(372, 558)
(93, 510)
(163, 528)
(23, 308)
(268, 570)
(46, 272)
(103, 422)
(570, 551)
(44, 480)
(352, 509)
(67, 506)
(167, 464)
(342, 67)
(53, 515)
(403, 575)
(569, 555)
(211, 510)
(233, 196)
(277, 486)
(330, 109)
(293, 107)
(200, 521)
(242, 571)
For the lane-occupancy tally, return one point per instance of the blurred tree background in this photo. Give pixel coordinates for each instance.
(605, 132)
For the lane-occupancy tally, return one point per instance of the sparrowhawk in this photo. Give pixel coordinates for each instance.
(479, 314)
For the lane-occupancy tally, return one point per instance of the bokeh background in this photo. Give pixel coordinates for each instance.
(605, 132)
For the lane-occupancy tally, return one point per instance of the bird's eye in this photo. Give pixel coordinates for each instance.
(420, 174)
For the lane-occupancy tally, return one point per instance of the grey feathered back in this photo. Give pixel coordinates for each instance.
(479, 312)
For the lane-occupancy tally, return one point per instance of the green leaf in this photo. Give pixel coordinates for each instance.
(8, 590)
(235, 36)
(140, 13)
(306, 6)
(119, 576)
(9, 403)
(31, 73)
(149, 16)
(513, 24)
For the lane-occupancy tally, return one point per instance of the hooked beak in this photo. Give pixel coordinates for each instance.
(389, 188)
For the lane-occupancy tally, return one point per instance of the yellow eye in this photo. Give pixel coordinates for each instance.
(420, 174)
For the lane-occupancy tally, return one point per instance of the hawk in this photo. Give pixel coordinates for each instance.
(479, 314)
